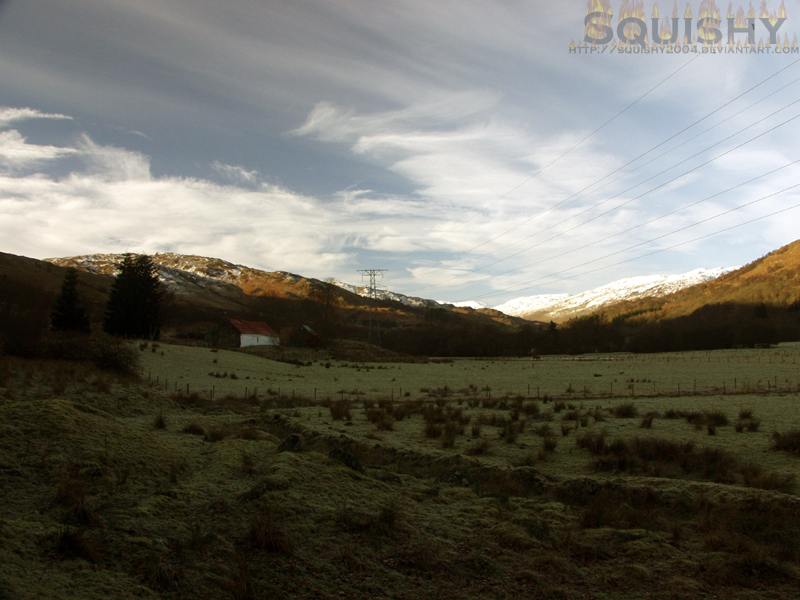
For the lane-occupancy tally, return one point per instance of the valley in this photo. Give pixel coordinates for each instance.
(440, 479)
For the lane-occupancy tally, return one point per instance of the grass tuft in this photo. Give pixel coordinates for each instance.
(787, 442)
(627, 410)
(266, 534)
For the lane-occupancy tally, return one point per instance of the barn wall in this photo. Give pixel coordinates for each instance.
(249, 339)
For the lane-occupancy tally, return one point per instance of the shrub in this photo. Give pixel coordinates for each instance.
(597, 414)
(217, 434)
(593, 442)
(75, 543)
(432, 430)
(509, 433)
(717, 418)
(549, 444)
(266, 534)
(571, 415)
(478, 449)
(754, 476)
(696, 418)
(250, 432)
(194, 429)
(787, 442)
(531, 409)
(625, 411)
(248, 463)
(340, 409)
(383, 523)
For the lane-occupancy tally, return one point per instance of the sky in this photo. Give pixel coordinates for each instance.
(460, 146)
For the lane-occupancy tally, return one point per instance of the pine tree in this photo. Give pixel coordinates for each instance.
(68, 313)
(134, 303)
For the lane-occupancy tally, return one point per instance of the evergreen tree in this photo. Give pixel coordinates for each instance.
(134, 303)
(68, 313)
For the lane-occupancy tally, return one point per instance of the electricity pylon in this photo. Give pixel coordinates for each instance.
(373, 295)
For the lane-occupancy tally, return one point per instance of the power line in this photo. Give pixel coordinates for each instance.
(561, 203)
(488, 206)
(632, 199)
(528, 283)
(610, 182)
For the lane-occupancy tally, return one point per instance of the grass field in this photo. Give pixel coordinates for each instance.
(609, 476)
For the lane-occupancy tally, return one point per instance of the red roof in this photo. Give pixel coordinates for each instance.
(253, 328)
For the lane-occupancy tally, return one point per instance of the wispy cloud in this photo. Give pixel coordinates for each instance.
(10, 115)
(16, 154)
(237, 174)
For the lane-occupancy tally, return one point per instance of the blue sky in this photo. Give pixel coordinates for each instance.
(458, 144)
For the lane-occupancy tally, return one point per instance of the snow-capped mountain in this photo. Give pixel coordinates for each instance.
(560, 307)
(214, 278)
(363, 290)
(187, 274)
(468, 304)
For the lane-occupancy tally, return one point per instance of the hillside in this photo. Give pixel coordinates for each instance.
(562, 307)
(772, 280)
(114, 487)
(219, 284)
(202, 291)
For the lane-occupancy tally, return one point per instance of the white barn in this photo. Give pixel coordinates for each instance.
(254, 333)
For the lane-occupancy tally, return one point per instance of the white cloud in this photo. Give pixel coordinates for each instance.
(237, 174)
(116, 164)
(16, 154)
(10, 115)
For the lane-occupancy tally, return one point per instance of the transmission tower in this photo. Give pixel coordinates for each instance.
(373, 274)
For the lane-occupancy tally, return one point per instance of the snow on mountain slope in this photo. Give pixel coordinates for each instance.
(468, 304)
(189, 274)
(363, 290)
(560, 307)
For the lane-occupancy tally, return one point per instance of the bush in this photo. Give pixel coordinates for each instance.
(340, 410)
(549, 444)
(478, 449)
(105, 352)
(216, 434)
(265, 533)
(717, 418)
(787, 442)
(194, 429)
(625, 411)
(433, 430)
(160, 421)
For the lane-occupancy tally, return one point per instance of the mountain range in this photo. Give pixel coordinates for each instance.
(213, 280)
(754, 304)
